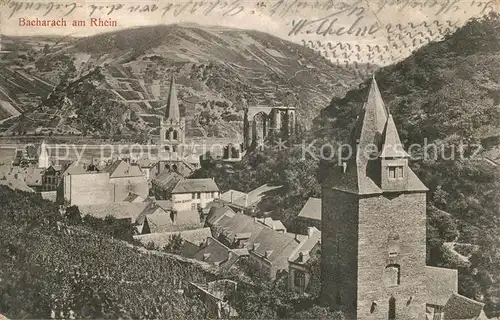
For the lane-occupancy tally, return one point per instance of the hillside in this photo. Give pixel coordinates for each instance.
(224, 68)
(447, 94)
(47, 269)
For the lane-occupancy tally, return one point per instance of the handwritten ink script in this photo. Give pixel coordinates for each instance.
(377, 32)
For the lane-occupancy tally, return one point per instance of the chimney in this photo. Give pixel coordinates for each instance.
(246, 200)
(206, 256)
(268, 253)
(344, 166)
(231, 196)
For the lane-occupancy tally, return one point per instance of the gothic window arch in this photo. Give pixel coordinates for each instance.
(175, 135)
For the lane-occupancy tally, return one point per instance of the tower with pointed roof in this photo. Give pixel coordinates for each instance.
(374, 224)
(173, 126)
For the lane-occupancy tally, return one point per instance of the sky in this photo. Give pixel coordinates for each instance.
(277, 17)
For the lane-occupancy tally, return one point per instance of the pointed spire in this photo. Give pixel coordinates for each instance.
(371, 121)
(172, 107)
(392, 148)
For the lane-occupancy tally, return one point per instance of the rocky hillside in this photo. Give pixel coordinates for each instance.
(218, 71)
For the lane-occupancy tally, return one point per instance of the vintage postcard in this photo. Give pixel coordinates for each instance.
(248, 159)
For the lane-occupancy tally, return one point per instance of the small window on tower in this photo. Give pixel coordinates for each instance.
(396, 172)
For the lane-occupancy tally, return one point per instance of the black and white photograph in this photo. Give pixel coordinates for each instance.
(247, 159)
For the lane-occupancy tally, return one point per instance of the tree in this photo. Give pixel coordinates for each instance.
(73, 215)
(174, 244)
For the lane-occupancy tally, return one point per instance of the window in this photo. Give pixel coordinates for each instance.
(198, 195)
(396, 172)
(392, 172)
(392, 275)
(175, 135)
(193, 196)
(213, 194)
(167, 148)
(174, 148)
(299, 279)
(193, 206)
(392, 308)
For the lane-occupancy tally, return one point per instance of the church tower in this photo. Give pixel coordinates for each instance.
(173, 126)
(374, 225)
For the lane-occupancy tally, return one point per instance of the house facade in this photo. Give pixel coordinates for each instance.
(191, 194)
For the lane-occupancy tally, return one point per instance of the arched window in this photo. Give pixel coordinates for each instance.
(167, 148)
(174, 148)
(167, 135)
(175, 135)
(392, 308)
(392, 275)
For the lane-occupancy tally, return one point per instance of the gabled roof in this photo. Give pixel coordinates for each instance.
(195, 185)
(459, 307)
(162, 221)
(74, 168)
(15, 184)
(362, 174)
(196, 236)
(122, 169)
(146, 163)
(305, 246)
(167, 180)
(312, 209)
(172, 107)
(249, 199)
(273, 245)
(441, 283)
(49, 195)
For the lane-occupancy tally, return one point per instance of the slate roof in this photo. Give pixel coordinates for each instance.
(172, 107)
(312, 209)
(49, 195)
(392, 147)
(16, 184)
(195, 185)
(305, 247)
(217, 253)
(236, 224)
(273, 244)
(249, 199)
(132, 197)
(441, 283)
(369, 131)
(122, 169)
(167, 180)
(119, 210)
(146, 163)
(459, 307)
(161, 221)
(74, 168)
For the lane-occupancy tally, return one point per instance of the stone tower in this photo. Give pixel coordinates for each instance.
(43, 157)
(173, 126)
(374, 225)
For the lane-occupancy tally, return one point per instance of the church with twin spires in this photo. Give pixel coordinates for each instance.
(373, 246)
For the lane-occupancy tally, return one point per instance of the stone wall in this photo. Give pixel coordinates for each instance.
(381, 219)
